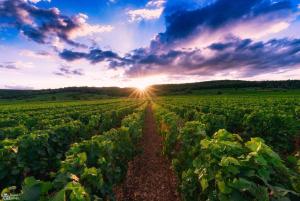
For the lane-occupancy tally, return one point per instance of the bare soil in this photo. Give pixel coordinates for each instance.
(149, 176)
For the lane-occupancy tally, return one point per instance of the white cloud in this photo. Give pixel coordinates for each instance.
(152, 11)
(85, 29)
(259, 29)
(88, 30)
(36, 1)
(144, 14)
(256, 29)
(156, 3)
(278, 27)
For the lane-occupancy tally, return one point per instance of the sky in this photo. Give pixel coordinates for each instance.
(127, 43)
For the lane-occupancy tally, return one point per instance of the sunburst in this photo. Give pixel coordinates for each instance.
(143, 87)
(145, 92)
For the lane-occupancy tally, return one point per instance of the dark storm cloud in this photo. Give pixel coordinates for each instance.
(248, 57)
(67, 71)
(94, 55)
(38, 24)
(187, 22)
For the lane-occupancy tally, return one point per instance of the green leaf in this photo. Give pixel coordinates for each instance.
(227, 161)
(34, 189)
(205, 143)
(223, 187)
(241, 184)
(60, 196)
(204, 183)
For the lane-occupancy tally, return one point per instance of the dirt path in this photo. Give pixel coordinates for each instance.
(149, 177)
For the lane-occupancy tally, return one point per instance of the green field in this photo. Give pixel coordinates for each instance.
(224, 144)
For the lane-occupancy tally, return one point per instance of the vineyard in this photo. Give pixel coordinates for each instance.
(68, 151)
(232, 148)
(190, 148)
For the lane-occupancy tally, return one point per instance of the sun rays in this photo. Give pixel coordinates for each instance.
(143, 87)
(146, 92)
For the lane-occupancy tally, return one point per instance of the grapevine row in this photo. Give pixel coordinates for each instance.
(39, 153)
(221, 165)
(92, 167)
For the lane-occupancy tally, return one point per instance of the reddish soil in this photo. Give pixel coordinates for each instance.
(149, 176)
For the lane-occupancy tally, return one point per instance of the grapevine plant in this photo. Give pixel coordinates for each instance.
(224, 166)
(91, 168)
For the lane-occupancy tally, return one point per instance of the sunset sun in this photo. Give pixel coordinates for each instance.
(144, 84)
(142, 87)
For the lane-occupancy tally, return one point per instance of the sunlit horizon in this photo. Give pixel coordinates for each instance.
(60, 43)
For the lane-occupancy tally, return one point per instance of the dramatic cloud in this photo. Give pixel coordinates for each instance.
(201, 24)
(153, 11)
(67, 71)
(94, 55)
(46, 25)
(245, 56)
(188, 24)
(202, 38)
(229, 53)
